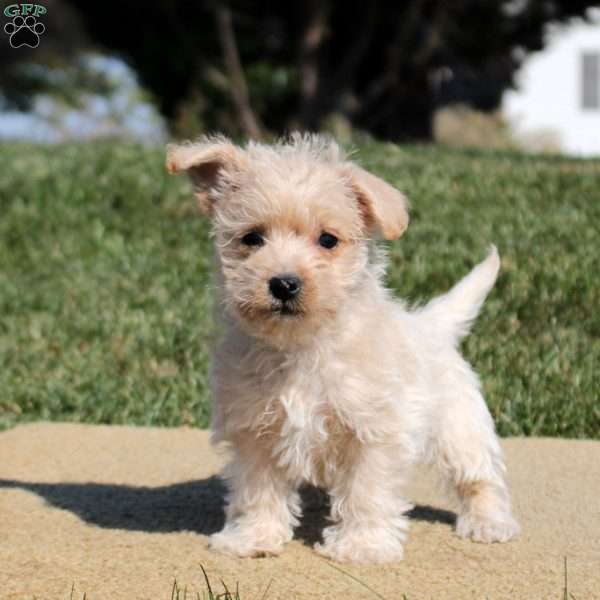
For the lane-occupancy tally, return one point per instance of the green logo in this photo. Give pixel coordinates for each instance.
(22, 10)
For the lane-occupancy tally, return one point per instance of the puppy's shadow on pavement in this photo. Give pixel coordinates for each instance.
(189, 506)
(197, 506)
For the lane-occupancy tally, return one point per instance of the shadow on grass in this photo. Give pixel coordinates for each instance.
(197, 506)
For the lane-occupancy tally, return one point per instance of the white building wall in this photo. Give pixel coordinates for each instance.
(549, 93)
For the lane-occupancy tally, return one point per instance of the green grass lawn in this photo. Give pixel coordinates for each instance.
(105, 286)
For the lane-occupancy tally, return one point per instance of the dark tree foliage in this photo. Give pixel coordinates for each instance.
(385, 66)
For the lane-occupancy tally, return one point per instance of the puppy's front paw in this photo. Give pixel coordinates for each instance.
(487, 529)
(362, 545)
(246, 542)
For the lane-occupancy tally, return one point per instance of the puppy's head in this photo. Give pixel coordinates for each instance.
(292, 225)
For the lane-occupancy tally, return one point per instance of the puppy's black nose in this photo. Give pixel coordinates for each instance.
(285, 287)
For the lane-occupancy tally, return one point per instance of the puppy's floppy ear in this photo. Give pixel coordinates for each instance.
(205, 162)
(383, 207)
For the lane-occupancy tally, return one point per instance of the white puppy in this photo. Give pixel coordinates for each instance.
(320, 376)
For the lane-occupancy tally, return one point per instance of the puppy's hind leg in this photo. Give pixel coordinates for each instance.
(468, 456)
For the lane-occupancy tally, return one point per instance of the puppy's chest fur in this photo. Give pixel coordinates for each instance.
(292, 410)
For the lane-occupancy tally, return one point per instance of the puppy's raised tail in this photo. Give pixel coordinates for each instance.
(453, 313)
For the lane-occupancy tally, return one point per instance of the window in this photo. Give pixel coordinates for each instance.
(590, 80)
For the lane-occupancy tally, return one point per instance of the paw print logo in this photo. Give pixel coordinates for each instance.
(24, 31)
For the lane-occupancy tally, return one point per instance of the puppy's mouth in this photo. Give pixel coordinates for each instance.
(287, 309)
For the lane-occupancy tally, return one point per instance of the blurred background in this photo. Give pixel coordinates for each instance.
(485, 113)
(502, 74)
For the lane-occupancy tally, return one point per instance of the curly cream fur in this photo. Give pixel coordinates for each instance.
(352, 389)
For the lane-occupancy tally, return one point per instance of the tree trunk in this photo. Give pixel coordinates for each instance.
(239, 89)
(309, 67)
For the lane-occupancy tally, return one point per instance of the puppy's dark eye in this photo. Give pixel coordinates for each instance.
(328, 240)
(253, 238)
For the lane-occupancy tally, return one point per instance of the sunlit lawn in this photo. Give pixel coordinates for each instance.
(105, 296)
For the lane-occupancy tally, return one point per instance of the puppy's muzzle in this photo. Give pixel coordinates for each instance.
(285, 287)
